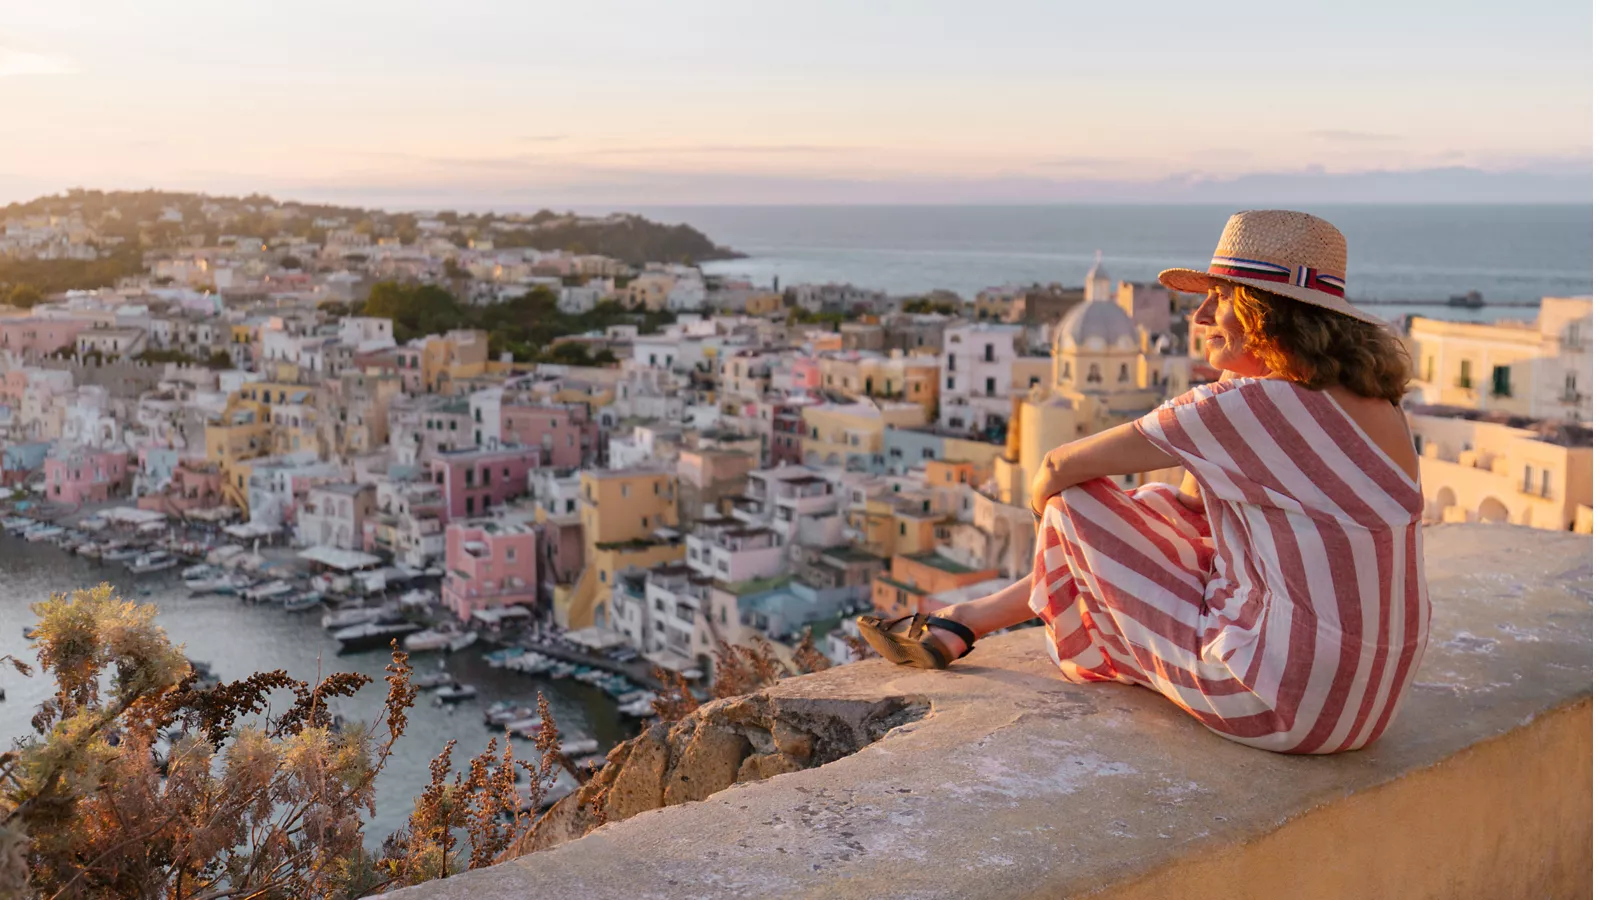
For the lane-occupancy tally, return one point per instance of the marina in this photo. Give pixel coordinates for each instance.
(228, 606)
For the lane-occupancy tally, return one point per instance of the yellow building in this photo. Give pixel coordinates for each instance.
(458, 354)
(1494, 467)
(649, 291)
(842, 434)
(622, 513)
(863, 374)
(1542, 369)
(763, 303)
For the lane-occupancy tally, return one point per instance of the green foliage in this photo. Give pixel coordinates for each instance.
(219, 360)
(52, 276)
(24, 296)
(524, 326)
(928, 305)
(155, 355)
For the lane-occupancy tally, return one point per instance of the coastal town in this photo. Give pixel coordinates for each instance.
(557, 434)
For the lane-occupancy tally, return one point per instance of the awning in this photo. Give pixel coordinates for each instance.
(128, 515)
(672, 662)
(248, 530)
(500, 614)
(343, 560)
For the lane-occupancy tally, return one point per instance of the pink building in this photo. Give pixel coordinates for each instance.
(30, 335)
(13, 385)
(488, 564)
(805, 374)
(82, 475)
(565, 432)
(195, 485)
(475, 480)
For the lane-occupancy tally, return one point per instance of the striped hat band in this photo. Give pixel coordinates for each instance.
(1299, 276)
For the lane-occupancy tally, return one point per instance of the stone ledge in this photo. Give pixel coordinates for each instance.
(1018, 784)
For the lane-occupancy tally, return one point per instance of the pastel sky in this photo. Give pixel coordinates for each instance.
(607, 101)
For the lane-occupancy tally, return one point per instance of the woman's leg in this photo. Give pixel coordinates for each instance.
(1002, 609)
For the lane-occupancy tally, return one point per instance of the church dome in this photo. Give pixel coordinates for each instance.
(1097, 325)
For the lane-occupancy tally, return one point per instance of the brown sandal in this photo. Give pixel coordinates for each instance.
(914, 646)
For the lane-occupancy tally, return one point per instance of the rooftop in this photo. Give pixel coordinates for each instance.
(1550, 431)
(942, 563)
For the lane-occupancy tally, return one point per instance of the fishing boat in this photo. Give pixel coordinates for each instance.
(372, 635)
(455, 693)
(154, 561)
(304, 602)
(642, 708)
(119, 551)
(43, 533)
(346, 618)
(426, 641)
(432, 680)
(501, 658)
(219, 583)
(16, 524)
(579, 746)
(90, 550)
(527, 729)
(276, 589)
(203, 570)
(462, 641)
(505, 712)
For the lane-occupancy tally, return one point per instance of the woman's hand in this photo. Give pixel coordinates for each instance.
(1116, 451)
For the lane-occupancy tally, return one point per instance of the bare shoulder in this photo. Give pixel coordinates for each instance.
(1384, 423)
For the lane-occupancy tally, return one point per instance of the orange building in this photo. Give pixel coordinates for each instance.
(912, 579)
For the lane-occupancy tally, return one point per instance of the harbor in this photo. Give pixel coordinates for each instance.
(238, 610)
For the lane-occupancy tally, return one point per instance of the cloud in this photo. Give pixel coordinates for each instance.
(1342, 136)
(727, 148)
(22, 62)
(540, 138)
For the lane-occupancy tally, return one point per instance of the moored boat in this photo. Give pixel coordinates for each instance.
(455, 693)
(372, 635)
(276, 589)
(154, 561)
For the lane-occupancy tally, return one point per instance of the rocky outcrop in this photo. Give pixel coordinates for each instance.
(725, 742)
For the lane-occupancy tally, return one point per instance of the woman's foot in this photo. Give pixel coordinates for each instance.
(926, 642)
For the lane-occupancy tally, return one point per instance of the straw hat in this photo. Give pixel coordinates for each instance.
(1293, 254)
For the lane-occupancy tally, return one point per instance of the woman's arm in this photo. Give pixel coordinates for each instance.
(1189, 492)
(1116, 451)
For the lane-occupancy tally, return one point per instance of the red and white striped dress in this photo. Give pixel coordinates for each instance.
(1291, 616)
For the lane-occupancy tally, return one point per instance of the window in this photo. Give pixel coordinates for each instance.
(470, 505)
(485, 476)
(952, 361)
(1094, 374)
(949, 384)
(511, 554)
(469, 478)
(1122, 374)
(625, 492)
(1465, 381)
(1544, 483)
(902, 529)
(1066, 370)
(988, 387)
(644, 522)
(988, 353)
(1427, 368)
(1500, 378)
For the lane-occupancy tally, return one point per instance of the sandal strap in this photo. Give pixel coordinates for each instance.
(956, 628)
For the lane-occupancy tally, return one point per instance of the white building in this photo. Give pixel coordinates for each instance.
(977, 372)
(729, 550)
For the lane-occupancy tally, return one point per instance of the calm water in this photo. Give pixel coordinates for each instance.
(1508, 253)
(239, 639)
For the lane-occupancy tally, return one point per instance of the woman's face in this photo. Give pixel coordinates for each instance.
(1224, 334)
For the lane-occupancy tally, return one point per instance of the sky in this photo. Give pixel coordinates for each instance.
(524, 102)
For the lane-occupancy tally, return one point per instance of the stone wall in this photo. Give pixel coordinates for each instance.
(1015, 783)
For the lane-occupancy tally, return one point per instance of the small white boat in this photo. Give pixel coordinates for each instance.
(90, 550)
(154, 561)
(579, 747)
(16, 524)
(426, 641)
(201, 571)
(346, 618)
(432, 680)
(639, 709)
(418, 598)
(219, 583)
(44, 533)
(93, 523)
(455, 693)
(462, 641)
(119, 552)
(303, 603)
(224, 553)
(272, 590)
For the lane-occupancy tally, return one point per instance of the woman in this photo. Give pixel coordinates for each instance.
(1277, 594)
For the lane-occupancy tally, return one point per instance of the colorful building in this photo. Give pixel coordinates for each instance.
(474, 481)
(489, 564)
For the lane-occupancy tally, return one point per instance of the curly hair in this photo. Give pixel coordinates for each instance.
(1319, 348)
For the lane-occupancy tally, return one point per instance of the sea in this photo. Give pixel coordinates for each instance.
(1406, 257)
(239, 639)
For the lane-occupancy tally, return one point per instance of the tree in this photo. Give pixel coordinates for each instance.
(137, 782)
(24, 296)
(219, 360)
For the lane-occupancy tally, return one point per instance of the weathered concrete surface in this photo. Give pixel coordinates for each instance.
(1017, 784)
